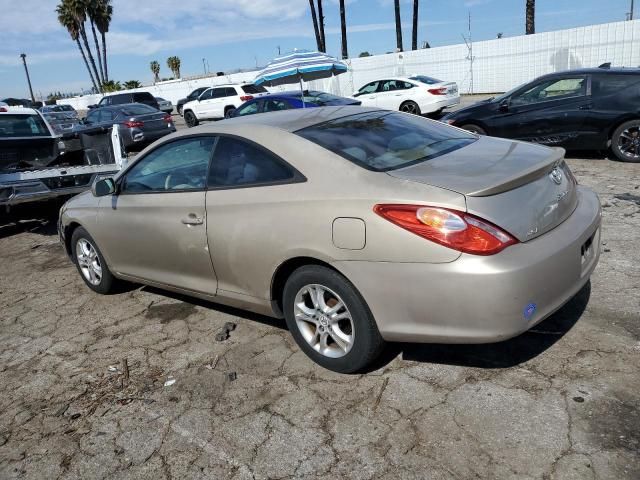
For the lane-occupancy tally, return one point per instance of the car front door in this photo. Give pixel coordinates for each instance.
(155, 227)
(204, 104)
(368, 94)
(550, 111)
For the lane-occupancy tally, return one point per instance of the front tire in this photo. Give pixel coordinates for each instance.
(90, 263)
(190, 119)
(625, 142)
(330, 321)
(410, 107)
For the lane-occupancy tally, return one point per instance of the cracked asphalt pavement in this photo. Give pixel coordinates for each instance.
(559, 402)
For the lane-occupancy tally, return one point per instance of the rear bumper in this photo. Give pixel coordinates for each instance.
(435, 106)
(479, 299)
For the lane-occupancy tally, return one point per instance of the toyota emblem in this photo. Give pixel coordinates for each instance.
(556, 176)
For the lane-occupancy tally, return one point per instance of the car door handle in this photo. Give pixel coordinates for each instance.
(585, 107)
(192, 219)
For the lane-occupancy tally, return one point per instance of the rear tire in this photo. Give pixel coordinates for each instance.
(330, 321)
(474, 129)
(90, 263)
(410, 107)
(229, 111)
(190, 119)
(625, 142)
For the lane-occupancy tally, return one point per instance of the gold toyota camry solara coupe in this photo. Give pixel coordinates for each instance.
(356, 225)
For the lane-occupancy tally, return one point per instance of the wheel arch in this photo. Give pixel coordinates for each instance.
(619, 121)
(477, 123)
(284, 271)
(68, 233)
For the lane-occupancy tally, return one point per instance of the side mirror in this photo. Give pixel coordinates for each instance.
(103, 187)
(504, 105)
(356, 94)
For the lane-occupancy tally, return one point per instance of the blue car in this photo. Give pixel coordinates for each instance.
(289, 100)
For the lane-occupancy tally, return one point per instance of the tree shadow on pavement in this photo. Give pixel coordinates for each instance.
(503, 354)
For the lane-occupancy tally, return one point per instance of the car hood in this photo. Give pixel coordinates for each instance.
(482, 104)
(486, 167)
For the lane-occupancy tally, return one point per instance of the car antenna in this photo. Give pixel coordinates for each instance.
(605, 65)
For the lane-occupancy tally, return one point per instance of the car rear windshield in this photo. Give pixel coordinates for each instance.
(425, 79)
(253, 89)
(382, 140)
(139, 109)
(22, 126)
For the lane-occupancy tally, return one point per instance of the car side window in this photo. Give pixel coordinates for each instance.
(104, 101)
(120, 99)
(93, 116)
(273, 105)
(105, 116)
(555, 89)
(237, 163)
(230, 92)
(369, 88)
(247, 109)
(176, 166)
(219, 93)
(609, 84)
(206, 95)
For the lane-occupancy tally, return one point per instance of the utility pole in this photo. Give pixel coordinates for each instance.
(469, 42)
(204, 65)
(630, 14)
(23, 56)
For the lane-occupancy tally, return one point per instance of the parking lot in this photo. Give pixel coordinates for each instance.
(559, 402)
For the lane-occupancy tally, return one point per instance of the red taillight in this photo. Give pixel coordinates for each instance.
(438, 91)
(133, 124)
(246, 98)
(167, 118)
(3, 109)
(458, 230)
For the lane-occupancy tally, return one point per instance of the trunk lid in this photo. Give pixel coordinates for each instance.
(526, 189)
(152, 122)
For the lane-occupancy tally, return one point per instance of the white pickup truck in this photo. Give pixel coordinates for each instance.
(35, 163)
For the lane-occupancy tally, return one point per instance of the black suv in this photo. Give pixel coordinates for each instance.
(587, 109)
(122, 98)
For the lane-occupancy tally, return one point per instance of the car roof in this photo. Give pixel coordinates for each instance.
(290, 120)
(586, 71)
(18, 110)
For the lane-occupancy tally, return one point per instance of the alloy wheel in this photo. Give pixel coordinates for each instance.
(88, 261)
(629, 142)
(409, 107)
(324, 320)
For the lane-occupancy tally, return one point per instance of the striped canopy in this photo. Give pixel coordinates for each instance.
(297, 66)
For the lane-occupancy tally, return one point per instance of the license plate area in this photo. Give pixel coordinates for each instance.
(588, 252)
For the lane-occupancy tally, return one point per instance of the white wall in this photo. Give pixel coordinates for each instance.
(499, 64)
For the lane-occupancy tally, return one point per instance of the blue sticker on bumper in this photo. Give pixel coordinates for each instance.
(529, 310)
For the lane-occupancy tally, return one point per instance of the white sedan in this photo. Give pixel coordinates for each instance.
(418, 94)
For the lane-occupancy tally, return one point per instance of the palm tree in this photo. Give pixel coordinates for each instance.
(398, 26)
(155, 69)
(321, 27)
(343, 28)
(92, 13)
(414, 36)
(68, 21)
(111, 86)
(314, 18)
(174, 65)
(530, 22)
(100, 14)
(129, 84)
(78, 9)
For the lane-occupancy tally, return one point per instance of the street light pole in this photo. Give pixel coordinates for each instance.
(23, 56)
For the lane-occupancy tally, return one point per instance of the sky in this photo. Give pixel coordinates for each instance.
(233, 34)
